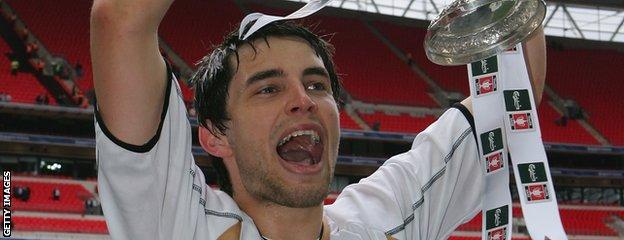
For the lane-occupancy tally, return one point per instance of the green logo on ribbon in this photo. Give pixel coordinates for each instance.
(517, 100)
(492, 141)
(496, 217)
(485, 66)
(532, 172)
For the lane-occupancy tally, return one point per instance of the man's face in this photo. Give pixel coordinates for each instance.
(284, 128)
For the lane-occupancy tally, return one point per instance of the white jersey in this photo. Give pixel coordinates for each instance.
(156, 191)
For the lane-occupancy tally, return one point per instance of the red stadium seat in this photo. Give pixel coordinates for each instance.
(398, 123)
(71, 200)
(347, 122)
(586, 222)
(572, 132)
(202, 28)
(45, 224)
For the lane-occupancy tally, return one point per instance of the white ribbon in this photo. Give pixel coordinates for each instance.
(264, 19)
(486, 91)
(502, 96)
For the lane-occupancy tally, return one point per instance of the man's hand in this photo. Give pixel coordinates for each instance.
(535, 56)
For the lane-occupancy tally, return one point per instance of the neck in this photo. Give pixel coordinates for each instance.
(278, 222)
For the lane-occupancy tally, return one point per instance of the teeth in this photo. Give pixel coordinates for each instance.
(313, 136)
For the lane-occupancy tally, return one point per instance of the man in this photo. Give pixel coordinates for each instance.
(15, 64)
(56, 194)
(268, 109)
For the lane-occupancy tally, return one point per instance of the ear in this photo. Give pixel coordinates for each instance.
(217, 146)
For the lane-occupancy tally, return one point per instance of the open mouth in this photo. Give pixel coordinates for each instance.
(301, 150)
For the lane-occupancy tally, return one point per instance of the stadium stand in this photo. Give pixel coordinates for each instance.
(571, 132)
(71, 199)
(377, 75)
(63, 27)
(63, 30)
(346, 122)
(593, 79)
(410, 40)
(22, 87)
(586, 222)
(397, 123)
(52, 224)
(70, 21)
(200, 31)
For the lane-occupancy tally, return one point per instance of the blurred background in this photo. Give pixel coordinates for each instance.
(392, 93)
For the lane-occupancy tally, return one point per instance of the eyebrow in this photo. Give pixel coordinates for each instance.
(262, 75)
(276, 72)
(316, 71)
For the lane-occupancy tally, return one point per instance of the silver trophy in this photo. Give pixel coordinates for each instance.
(471, 30)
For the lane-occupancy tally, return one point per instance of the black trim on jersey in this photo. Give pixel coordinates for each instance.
(468, 116)
(152, 142)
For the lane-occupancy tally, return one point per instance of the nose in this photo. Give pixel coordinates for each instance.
(300, 102)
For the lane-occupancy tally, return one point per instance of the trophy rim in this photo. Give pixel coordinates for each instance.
(466, 8)
(516, 36)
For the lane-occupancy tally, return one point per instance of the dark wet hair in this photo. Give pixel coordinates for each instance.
(214, 73)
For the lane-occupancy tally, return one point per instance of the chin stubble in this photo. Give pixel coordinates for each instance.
(267, 187)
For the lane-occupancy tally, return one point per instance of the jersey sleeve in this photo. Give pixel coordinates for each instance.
(424, 193)
(156, 191)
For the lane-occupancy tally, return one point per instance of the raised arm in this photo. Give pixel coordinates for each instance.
(535, 55)
(128, 71)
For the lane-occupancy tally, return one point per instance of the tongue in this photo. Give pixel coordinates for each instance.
(300, 149)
